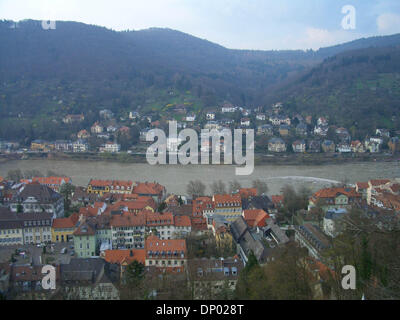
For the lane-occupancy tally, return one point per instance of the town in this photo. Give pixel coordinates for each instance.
(115, 239)
(277, 132)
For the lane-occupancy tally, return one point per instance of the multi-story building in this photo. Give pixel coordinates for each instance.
(148, 189)
(37, 198)
(36, 227)
(85, 240)
(276, 145)
(63, 145)
(208, 277)
(89, 279)
(62, 229)
(166, 255)
(110, 147)
(299, 146)
(80, 145)
(128, 231)
(96, 128)
(11, 228)
(312, 238)
(334, 198)
(109, 186)
(54, 183)
(228, 206)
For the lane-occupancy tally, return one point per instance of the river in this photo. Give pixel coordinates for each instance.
(175, 178)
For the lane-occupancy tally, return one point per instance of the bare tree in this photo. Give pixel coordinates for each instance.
(218, 187)
(195, 188)
(261, 186)
(234, 186)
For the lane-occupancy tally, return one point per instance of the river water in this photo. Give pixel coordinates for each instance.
(176, 177)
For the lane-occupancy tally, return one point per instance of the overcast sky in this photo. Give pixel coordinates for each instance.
(239, 24)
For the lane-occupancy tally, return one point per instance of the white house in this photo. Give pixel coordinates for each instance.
(111, 147)
(210, 116)
(344, 148)
(191, 118)
(261, 116)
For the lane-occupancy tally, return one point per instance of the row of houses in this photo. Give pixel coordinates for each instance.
(371, 145)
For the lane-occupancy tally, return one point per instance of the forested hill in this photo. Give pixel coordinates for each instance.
(89, 67)
(359, 89)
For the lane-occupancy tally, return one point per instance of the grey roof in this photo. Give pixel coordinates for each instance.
(238, 228)
(14, 220)
(82, 269)
(276, 140)
(247, 242)
(335, 214)
(42, 193)
(257, 202)
(277, 231)
(214, 269)
(314, 235)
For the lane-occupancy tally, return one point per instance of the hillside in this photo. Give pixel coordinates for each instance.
(359, 89)
(80, 67)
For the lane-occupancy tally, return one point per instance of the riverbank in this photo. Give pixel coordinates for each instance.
(176, 177)
(312, 159)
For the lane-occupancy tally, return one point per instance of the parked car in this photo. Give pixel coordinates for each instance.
(72, 253)
(64, 250)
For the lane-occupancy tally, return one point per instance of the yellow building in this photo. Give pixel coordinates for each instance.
(63, 228)
(11, 233)
(41, 146)
(228, 206)
(99, 186)
(107, 186)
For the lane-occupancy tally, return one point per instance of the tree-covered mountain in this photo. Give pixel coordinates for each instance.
(79, 67)
(358, 89)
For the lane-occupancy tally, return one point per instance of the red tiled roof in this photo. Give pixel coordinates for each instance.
(136, 205)
(182, 221)
(88, 211)
(157, 218)
(128, 220)
(255, 217)
(379, 182)
(122, 183)
(277, 199)
(228, 198)
(248, 192)
(362, 185)
(200, 204)
(62, 223)
(100, 183)
(395, 187)
(148, 188)
(51, 180)
(153, 243)
(199, 223)
(121, 256)
(84, 230)
(333, 192)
